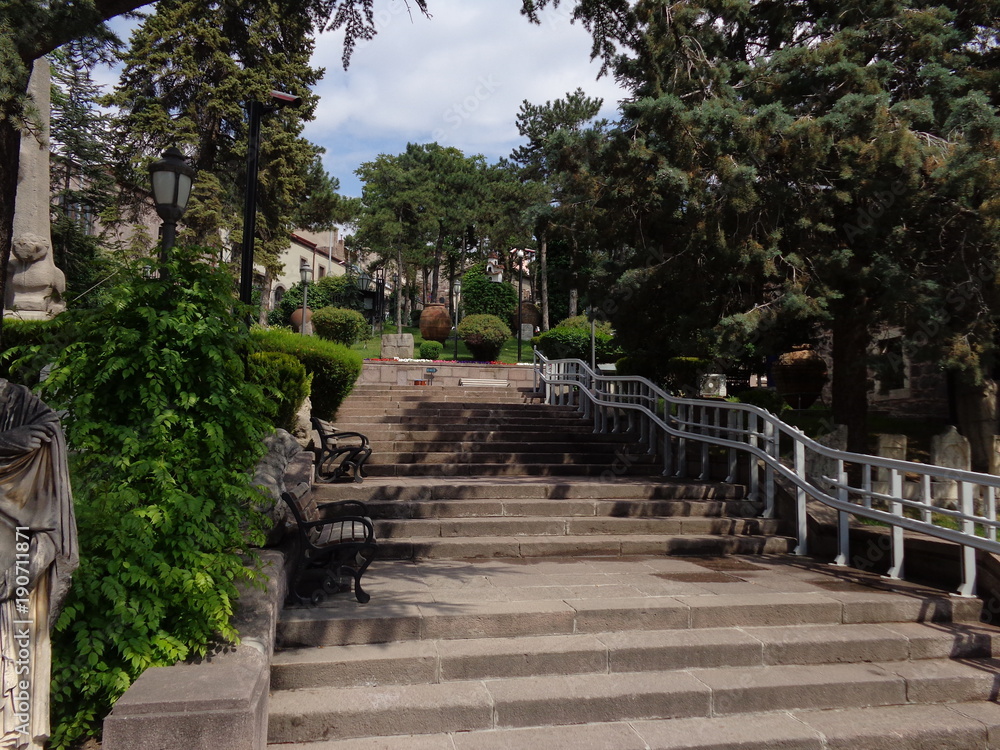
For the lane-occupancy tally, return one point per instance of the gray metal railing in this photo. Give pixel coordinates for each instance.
(949, 504)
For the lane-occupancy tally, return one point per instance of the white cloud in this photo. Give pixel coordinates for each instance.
(457, 78)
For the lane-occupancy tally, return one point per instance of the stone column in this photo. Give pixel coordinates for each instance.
(35, 286)
(950, 450)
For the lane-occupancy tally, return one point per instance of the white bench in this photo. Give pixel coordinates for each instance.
(483, 382)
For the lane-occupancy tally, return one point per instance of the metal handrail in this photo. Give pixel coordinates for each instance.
(852, 483)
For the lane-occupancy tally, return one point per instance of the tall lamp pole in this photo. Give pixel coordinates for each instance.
(279, 99)
(305, 272)
(172, 178)
(520, 284)
(457, 297)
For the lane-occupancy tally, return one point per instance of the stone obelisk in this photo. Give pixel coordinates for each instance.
(35, 286)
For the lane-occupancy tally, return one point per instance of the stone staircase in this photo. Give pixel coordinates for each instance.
(551, 610)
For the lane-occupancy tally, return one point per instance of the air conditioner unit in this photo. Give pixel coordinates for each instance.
(713, 386)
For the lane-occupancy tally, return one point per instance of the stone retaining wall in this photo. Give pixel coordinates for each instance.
(442, 373)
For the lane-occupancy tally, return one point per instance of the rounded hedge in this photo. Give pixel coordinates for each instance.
(431, 349)
(285, 382)
(574, 343)
(341, 325)
(334, 368)
(481, 296)
(485, 335)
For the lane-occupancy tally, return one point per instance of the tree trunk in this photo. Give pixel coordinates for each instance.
(976, 417)
(574, 301)
(265, 297)
(436, 277)
(543, 280)
(849, 388)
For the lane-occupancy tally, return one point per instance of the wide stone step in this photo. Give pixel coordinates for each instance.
(338, 713)
(959, 726)
(541, 509)
(595, 545)
(403, 529)
(603, 494)
(416, 662)
(386, 406)
(585, 455)
(605, 470)
(490, 419)
(383, 621)
(482, 434)
(555, 444)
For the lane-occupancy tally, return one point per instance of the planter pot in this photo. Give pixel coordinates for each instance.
(799, 376)
(296, 320)
(435, 322)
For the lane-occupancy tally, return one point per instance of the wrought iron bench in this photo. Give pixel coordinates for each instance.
(332, 546)
(355, 452)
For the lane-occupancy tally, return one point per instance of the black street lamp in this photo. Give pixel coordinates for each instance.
(457, 296)
(172, 178)
(305, 272)
(256, 110)
(519, 254)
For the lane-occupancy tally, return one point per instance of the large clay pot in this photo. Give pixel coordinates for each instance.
(530, 315)
(799, 376)
(435, 322)
(296, 320)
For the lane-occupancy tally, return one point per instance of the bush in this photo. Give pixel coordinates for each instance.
(765, 398)
(431, 350)
(31, 344)
(343, 326)
(480, 296)
(582, 323)
(574, 343)
(485, 335)
(682, 373)
(285, 383)
(330, 291)
(163, 431)
(334, 368)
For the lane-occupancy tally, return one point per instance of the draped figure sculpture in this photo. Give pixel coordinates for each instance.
(38, 553)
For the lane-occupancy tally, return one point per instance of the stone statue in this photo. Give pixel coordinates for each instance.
(35, 287)
(38, 553)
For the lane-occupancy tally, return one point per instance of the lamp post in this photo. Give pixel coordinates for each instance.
(305, 272)
(519, 254)
(172, 178)
(457, 296)
(255, 110)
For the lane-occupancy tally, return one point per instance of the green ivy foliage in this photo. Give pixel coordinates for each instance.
(334, 368)
(340, 325)
(484, 335)
(480, 296)
(164, 430)
(285, 382)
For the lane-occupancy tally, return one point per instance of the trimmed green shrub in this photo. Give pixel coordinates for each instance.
(480, 296)
(285, 382)
(330, 291)
(582, 323)
(338, 324)
(163, 430)
(485, 335)
(334, 368)
(574, 343)
(431, 350)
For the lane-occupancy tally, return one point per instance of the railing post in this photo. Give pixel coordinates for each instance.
(991, 512)
(668, 442)
(843, 517)
(771, 448)
(683, 418)
(896, 508)
(732, 415)
(705, 423)
(801, 514)
(752, 428)
(968, 587)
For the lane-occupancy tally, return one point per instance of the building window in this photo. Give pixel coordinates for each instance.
(279, 292)
(322, 271)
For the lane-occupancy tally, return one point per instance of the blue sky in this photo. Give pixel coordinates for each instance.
(457, 78)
